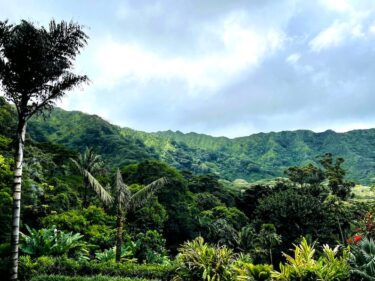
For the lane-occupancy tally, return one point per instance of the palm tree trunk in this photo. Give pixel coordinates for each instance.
(120, 226)
(271, 260)
(340, 229)
(85, 192)
(21, 132)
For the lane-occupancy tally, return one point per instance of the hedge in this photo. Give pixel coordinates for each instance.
(85, 278)
(70, 267)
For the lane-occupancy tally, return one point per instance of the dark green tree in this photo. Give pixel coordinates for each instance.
(335, 174)
(303, 175)
(35, 70)
(174, 196)
(269, 239)
(296, 213)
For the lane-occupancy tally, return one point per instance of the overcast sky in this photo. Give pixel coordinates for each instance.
(218, 67)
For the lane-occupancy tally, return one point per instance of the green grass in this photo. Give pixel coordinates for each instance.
(363, 193)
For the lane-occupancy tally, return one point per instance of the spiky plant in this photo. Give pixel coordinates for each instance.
(303, 266)
(362, 260)
(201, 261)
(250, 272)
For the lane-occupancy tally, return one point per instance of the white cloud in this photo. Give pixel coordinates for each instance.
(242, 48)
(335, 35)
(293, 58)
(372, 28)
(337, 5)
(342, 127)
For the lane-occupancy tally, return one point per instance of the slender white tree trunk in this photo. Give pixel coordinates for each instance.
(21, 131)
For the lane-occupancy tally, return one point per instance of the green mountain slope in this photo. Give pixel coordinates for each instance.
(263, 155)
(77, 130)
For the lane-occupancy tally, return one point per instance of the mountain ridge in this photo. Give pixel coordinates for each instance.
(253, 157)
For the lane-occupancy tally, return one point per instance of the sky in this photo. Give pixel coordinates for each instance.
(220, 67)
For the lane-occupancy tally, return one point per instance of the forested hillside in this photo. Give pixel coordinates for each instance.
(258, 156)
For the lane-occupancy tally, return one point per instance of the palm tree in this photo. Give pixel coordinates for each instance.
(88, 164)
(269, 239)
(337, 207)
(35, 71)
(125, 202)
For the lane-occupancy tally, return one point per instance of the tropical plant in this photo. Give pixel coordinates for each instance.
(88, 163)
(50, 241)
(35, 71)
(200, 261)
(249, 272)
(218, 231)
(127, 253)
(302, 266)
(335, 205)
(335, 175)
(269, 239)
(362, 260)
(246, 239)
(71, 267)
(150, 248)
(125, 202)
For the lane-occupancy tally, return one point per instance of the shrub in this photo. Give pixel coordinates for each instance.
(4, 259)
(127, 253)
(65, 266)
(250, 272)
(50, 241)
(5, 213)
(303, 266)
(245, 270)
(200, 261)
(151, 248)
(93, 222)
(84, 278)
(362, 260)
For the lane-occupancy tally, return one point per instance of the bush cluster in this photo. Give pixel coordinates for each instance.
(66, 266)
(84, 278)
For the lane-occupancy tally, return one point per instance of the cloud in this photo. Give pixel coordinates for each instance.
(337, 5)
(335, 35)
(241, 48)
(222, 67)
(293, 58)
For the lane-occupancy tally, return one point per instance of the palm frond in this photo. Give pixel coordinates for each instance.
(77, 165)
(122, 192)
(98, 188)
(90, 161)
(141, 196)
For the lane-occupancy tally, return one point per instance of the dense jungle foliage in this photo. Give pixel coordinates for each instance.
(256, 157)
(307, 225)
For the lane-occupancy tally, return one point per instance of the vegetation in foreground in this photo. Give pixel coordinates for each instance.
(194, 227)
